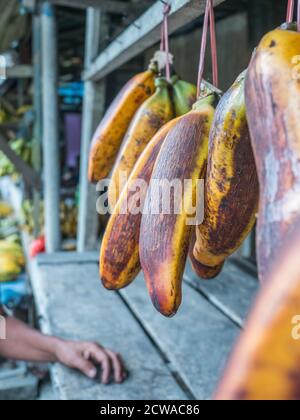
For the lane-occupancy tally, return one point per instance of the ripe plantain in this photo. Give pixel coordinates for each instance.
(202, 271)
(152, 115)
(231, 186)
(273, 112)
(265, 363)
(184, 96)
(165, 235)
(110, 133)
(119, 256)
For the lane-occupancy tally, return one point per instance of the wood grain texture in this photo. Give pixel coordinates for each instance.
(197, 342)
(100, 316)
(143, 33)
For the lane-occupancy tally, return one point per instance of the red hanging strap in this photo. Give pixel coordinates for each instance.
(203, 48)
(209, 16)
(164, 44)
(290, 11)
(167, 9)
(213, 41)
(162, 39)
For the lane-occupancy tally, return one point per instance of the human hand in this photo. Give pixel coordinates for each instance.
(84, 356)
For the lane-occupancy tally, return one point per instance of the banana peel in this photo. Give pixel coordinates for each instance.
(165, 236)
(109, 135)
(151, 116)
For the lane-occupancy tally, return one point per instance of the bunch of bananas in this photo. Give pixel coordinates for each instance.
(12, 260)
(23, 149)
(4, 117)
(5, 210)
(245, 146)
(142, 107)
(173, 136)
(68, 218)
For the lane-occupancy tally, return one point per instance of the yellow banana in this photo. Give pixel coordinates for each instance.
(152, 115)
(202, 271)
(112, 129)
(165, 235)
(231, 187)
(119, 256)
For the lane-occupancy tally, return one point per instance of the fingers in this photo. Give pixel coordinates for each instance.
(109, 362)
(98, 354)
(85, 366)
(119, 373)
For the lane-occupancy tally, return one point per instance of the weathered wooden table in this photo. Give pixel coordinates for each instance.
(178, 358)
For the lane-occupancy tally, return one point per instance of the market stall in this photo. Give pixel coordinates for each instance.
(191, 284)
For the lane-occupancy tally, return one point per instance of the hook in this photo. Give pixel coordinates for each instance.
(167, 7)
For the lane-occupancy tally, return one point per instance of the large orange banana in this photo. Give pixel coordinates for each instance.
(273, 111)
(119, 256)
(202, 271)
(165, 235)
(112, 129)
(265, 364)
(231, 187)
(152, 115)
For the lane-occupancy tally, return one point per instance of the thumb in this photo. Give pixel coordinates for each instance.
(84, 366)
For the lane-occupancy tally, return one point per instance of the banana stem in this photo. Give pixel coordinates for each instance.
(298, 16)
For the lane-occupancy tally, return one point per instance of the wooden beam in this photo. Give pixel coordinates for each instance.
(19, 72)
(93, 107)
(51, 151)
(110, 6)
(144, 33)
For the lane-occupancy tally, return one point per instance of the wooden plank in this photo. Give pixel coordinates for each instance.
(51, 149)
(233, 291)
(38, 119)
(144, 33)
(197, 341)
(72, 304)
(111, 6)
(19, 72)
(59, 258)
(93, 107)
